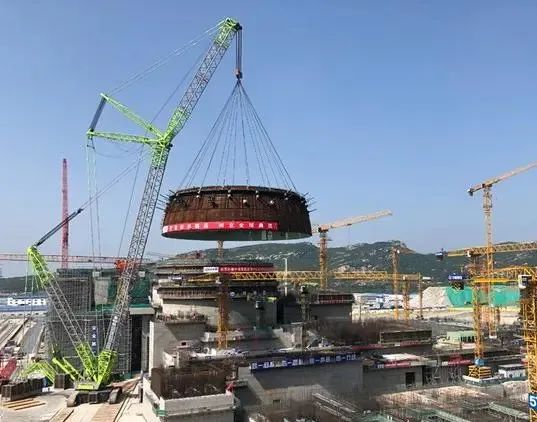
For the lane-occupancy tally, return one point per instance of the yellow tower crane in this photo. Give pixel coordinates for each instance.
(396, 250)
(296, 278)
(526, 277)
(323, 229)
(486, 187)
(479, 370)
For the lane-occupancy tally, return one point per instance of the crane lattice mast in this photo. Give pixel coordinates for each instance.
(323, 230)
(65, 214)
(490, 319)
(160, 143)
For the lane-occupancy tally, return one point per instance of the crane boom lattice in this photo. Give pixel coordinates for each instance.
(160, 145)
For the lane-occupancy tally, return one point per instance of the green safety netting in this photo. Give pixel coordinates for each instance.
(501, 296)
(139, 292)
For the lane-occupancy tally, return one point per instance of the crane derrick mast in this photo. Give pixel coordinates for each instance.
(474, 253)
(97, 370)
(160, 144)
(323, 230)
(61, 306)
(526, 277)
(395, 281)
(528, 307)
(395, 252)
(486, 186)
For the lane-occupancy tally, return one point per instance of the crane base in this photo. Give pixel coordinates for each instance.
(92, 397)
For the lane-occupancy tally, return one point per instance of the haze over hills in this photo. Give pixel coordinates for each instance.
(362, 256)
(359, 256)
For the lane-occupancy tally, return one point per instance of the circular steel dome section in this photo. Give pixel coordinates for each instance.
(236, 213)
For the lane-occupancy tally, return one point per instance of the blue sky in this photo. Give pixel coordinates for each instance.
(373, 105)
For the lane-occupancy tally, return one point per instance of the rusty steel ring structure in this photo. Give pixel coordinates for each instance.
(236, 213)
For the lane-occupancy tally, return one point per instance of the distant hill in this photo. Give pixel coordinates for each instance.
(366, 256)
(360, 256)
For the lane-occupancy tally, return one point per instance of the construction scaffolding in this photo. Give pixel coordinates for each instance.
(90, 294)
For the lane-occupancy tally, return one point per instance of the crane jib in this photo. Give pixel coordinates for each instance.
(160, 145)
(98, 369)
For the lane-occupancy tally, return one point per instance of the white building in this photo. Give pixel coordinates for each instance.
(512, 371)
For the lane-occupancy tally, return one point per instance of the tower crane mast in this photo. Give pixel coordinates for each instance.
(526, 278)
(486, 187)
(323, 229)
(395, 252)
(473, 253)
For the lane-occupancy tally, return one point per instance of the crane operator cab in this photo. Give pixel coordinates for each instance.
(523, 281)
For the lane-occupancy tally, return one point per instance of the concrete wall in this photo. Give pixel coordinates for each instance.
(293, 312)
(214, 408)
(242, 312)
(393, 379)
(164, 336)
(281, 385)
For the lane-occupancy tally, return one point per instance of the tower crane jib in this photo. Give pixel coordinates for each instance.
(492, 315)
(323, 229)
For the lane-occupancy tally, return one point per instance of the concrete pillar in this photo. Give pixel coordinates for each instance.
(145, 342)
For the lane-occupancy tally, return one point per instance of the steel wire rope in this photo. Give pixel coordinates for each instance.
(131, 199)
(227, 143)
(257, 152)
(135, 165)
(275, 152)
(219, 137)
(161, 62)
(113, 182)
(233, 140)
(271, 150)
(221, 118)
(206, 145)
(193, 165)
(237, 121)
(223, 162)
(130, 81)
(265, 155)
(223, 135)
(140, 149)
(272, 159)
(241, 106)
(91, 170)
